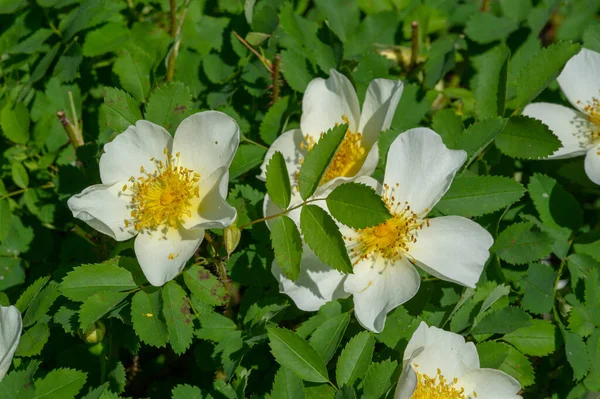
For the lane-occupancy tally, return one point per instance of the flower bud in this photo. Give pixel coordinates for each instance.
(232, 238)
(95, 333)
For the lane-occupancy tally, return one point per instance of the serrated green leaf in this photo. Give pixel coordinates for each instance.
(501, 356)
(15, 123)
(539, 294)
(519, 244)
(287, 245)
(278, 181)
(539, 339)
(295, 70)
(87, 280)
(121, 109)
(146, 315)
(379, 379)
(19, 175)
(556, 207)
(271, 125)
(33, 340)
(502, 321)
(323, 236)
(184, 391)
(490, 90)
(30, 293)
(60, 384)
(247, 156)
(296, 354)
(40, 304)
(527, 138)
(205, 286)
(97, 305)
(19, 384)
(169, 105)
(5, 219)
(287, 385)
(317, 160)
(133, 67)
(485, 27)
(478, 195)
(357, 205)
(541, 69)
(449, 125)
(215, 327)
(68, 64)
(592, 381)
(577, 354)
(440, 60)
(478, 136)
(355, 358)
(106, 39)
(326, 339)
(176, 310)
(68, 319)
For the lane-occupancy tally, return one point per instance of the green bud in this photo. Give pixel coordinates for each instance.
(95, 333)
(232, 238)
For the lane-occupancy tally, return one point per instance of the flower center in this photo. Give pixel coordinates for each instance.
(591, 132)
(437, 388)
(390, 239)
(162, 197)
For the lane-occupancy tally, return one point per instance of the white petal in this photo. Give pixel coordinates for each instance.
(452, 248)
(571, 127)
(580, 80)
(379, 108)
(325, 102)
(431, 348)
(316, 285)
(407, 383)
(422, 166)
(490, 384)
(592, 164)
(211, 210)
(290, 145)
(154, 252)
(207, 141)
(132, 149)
(378, 289)
(10, 334)
(105, 209)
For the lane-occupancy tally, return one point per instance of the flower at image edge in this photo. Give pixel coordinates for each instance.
(11, 325)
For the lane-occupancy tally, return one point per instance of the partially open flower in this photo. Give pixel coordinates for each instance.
(11, 325)
(439, 364)
(578, 129)
(164, 191)
(419, 170)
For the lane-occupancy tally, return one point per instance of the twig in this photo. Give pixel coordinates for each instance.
(176, 33)
(262, 59)
(414, 50)
(485, 5)
(75, 139)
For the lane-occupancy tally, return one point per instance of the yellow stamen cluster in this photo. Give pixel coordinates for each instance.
(589, 128)
(163, 197)
(437, 388)
(390, 239)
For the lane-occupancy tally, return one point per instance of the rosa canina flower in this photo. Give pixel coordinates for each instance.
(327, 103)
(439, 364)
(10, 334)
(419, 170)
(164, 191)
(578, 129)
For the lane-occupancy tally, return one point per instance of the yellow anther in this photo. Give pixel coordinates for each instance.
(437, 388)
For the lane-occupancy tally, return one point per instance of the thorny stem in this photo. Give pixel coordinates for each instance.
(176, 33)
(275, 77)
(276, 215)
(414, 50)
(262, 59)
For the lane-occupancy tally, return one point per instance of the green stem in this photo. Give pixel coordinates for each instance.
(276, 215)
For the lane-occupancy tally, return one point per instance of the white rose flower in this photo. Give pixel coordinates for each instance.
(165, 191)
(327, 103)
(10, 334)
(440, 364)
(419, 170)
(579, 130)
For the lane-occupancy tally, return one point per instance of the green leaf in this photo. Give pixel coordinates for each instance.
(247, 157)
(97, 305)
(490, 89)
(287, 245)
(478, 195)
(592, 382)
(146, 317)
(68, 64)
(485, 27)
(19, 384)
(278, 181)
(60, 384)
(539, 339)
(317, 160)
(184, 391)
(19, 175)
(68, 319)
(15, 123)
(449, 125)
(503, 321)
(295, 70)
(577, 354)
(205, 286)
(501, 356)
(178, 317)
(379, 379)
(541, 69)
(527, 138)
(87, 280)
(133, 67)
(591, 37)
(324, 238)
(342, 16)
(478, 136)
(30, 293)
(357, 205)
(169, 105)
(556, 207)
(355, 358)
(33, 340)
(215, 327)
(539, 294)
(296, 354)
(519, 244)
(5, 219)
(40, 304)
(326, 339)
(121, 109)
(106, 39)
(287, 385)
(272, 123)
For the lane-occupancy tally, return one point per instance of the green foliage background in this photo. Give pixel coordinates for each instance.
(222, 329)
